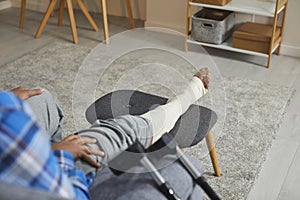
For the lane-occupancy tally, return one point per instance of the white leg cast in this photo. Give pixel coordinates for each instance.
(164, 117)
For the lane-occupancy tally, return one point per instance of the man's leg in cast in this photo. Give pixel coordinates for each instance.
(116, 135)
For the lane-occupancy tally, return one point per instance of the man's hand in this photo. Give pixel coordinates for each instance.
(76, 145)
(25, 93)
(204, 76)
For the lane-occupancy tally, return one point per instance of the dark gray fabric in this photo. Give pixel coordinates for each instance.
(136, 186)
(191, 127)
(16, 192)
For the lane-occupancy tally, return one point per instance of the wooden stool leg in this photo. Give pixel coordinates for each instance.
(87, 15)
(129, 12)
(21, 22)
(72, 21)
(45, 18)
(212, 152)
(105, 24)
(61, 12)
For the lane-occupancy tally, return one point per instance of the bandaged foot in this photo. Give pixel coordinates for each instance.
(164, 117)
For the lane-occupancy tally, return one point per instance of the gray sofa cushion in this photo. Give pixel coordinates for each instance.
(16, 192)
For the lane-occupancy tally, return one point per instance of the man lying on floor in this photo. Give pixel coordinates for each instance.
(27, 158)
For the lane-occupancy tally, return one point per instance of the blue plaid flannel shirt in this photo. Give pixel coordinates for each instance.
(26, 157)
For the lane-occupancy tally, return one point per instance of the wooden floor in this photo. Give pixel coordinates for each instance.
(280, 176)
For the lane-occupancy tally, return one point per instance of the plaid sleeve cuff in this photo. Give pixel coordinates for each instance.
(78, 179)
(65, 159)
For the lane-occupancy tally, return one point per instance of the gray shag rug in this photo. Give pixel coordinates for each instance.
(254, 110)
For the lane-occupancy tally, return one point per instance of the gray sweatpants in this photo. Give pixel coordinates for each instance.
(114, 136)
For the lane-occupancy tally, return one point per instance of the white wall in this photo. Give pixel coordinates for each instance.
(114, 7)
(4, 4)
(291, 37)
(166, 13)
(172, 14)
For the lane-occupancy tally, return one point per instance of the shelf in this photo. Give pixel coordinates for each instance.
(256, 7)
(227, 45)
(266, 8)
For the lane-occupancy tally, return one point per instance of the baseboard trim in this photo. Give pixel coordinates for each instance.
(290, 50)
(5, 4)
(156, 24)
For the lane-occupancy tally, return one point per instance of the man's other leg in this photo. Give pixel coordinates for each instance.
(49, 115)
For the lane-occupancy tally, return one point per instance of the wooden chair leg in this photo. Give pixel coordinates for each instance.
(22, 13)
(129, 12)
(45, 18)
(105, 24)
(212, 152)
(61, 12)
(72, 21)
(87, 15)
(52, 13)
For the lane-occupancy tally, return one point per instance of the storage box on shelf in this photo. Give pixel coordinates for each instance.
(254, 7)
(254, 37)
(212, 25)
(213, 2)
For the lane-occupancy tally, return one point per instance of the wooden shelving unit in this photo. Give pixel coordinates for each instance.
(253, 7)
